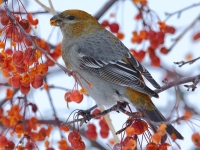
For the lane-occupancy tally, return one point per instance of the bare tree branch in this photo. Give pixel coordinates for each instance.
(181, 63)
(180, 11)
(104, 9)
(194, 79)
(184, 32)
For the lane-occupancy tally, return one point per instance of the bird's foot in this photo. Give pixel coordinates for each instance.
(86, 113)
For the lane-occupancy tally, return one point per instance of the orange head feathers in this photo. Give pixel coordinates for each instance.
(76, 23)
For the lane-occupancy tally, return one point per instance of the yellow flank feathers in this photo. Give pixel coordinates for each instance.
(140, 99)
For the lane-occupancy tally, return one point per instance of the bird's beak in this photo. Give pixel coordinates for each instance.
(55, 20)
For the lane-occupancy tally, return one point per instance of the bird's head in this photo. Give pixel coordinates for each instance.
(75, 23)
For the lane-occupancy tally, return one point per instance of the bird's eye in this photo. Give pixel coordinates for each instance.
(71, 17)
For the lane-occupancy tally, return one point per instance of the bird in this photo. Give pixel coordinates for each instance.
(100, 58)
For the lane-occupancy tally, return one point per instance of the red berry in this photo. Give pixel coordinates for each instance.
(25, 24)
(171, 30)
(10, 145)
(67, 96)
(3, 141)
(91, 126)
(15, 81)
(27, 41)
(151, 35)
(18, 57)
(138, 16)
(114, 27)
(155, 62)
(37, 81)
(31, 20)
(34, 108)
(76, 96)
(105, 23)
(103, 124)
(104, 133)
(96, 111)
(91, 134)
(196, 139)
(140, 55)
(151, 146)
(4, 19)
(139, 126)
(24, 89)
(9, 51)
(163, 50)
(196, 36)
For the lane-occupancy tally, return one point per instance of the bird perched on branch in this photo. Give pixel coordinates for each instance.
(99, 58)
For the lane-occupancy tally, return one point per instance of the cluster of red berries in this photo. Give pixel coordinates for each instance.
(154, 146)
(5, 143)
(73, 96)
(22, 66)
(104, 131)
(76, 141)
(91, 132)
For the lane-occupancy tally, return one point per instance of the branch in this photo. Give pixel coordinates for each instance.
(184, 32)
(117, 107)
(57, 87)
(104, 9)
(194, 79)
(5, 100)
(33, 13)
(53, 108)
(181, 63)
(49, 9)
(180, 11)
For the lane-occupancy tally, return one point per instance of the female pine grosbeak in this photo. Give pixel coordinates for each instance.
(99, 58)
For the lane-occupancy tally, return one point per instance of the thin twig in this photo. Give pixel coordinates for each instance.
(184, 32)
(181, 63)
(102, 11)
(194, 79)
(49, 9)
(57, 87)
(53, 108)
(33, 13)
(180, 11)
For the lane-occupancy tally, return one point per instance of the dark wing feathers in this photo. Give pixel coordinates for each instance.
(142, 69)
(117, 72)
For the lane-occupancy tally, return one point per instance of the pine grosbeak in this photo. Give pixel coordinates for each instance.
(99, 58)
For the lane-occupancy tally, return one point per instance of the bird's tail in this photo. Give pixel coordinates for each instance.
(156, 116)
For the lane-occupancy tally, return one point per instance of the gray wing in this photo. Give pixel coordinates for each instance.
(106, 59)
(117, 72)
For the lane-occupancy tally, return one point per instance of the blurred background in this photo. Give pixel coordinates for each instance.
(122, 12)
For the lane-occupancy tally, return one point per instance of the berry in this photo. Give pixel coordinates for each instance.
(18, 57)
(114, 27)
(105, 23)
(25, 24)
(24, 89)
(76, 96)
(4, 19)
(37, 81)
(15, 81)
